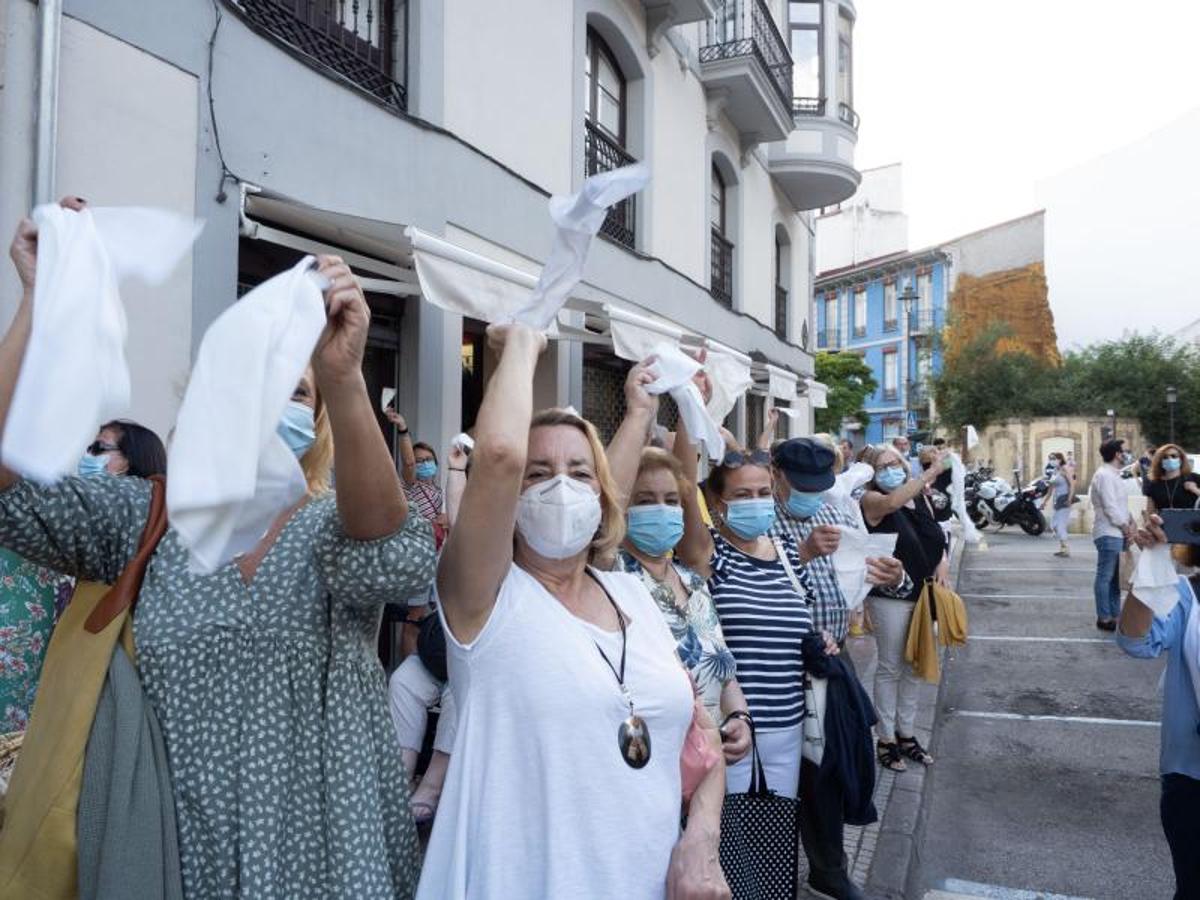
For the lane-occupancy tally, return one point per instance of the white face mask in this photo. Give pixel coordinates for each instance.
(559, 517)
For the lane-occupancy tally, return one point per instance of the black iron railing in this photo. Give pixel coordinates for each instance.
(891, 324)
(808, 106)
(922, 321)
(746, 28)
(721, 270)
(356, 38)
(848, 115)
(781, 312)
(827, 338)
(890, 394)
(918, 393)
(860, 331)
(603, 154)
(804, 335)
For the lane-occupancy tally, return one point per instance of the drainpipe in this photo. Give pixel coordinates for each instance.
(46, 112)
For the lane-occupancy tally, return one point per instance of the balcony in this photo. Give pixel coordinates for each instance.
(890, 394)
(747, 71)
(922, 322)
(860, 331)
(848, 116)
(814, 164)
(664, 14)
(918, 393)
(361, 41)
(602, 154)
(721, 271)
(891, 324)
(781, 312)
(827, 339)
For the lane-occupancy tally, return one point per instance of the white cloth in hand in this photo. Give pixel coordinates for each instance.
(1155, 582)
(673, 370)
(958, 498)
(577, 218)
(850, 561)
(231, 472)
(75, 376)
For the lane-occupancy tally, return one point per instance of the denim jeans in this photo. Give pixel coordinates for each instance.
(1108, 586)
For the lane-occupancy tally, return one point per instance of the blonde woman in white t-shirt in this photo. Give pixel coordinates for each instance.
(564, 779)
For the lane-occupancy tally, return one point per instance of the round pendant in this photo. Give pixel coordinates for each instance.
(633, 738)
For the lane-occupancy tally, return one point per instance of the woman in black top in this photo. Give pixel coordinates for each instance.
(893, 504)
(1171, 483)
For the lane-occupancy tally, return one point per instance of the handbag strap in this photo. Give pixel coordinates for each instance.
(784, 561)
(758, 775)
(123, 594)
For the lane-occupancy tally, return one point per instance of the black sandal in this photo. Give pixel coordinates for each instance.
(889, 757)
(912, 748)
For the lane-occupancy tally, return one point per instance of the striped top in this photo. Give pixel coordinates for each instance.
(763, 620)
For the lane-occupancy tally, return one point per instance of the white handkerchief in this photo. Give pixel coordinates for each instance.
(958, 499)
(1155, 581)
(74, 376)
(577, 219)
(850, 561)
(231, 472)
(841, 495)
(386, 397)
(674, 370)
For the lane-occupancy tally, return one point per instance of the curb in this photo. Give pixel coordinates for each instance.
(892, 846)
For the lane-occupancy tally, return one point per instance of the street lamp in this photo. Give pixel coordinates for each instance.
(908, 297)
(1172, 399)
(1112, 415)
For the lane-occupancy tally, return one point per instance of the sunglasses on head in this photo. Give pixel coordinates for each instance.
(97, 448)
(735, 459)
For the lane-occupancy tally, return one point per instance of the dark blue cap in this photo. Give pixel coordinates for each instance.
(806, 463)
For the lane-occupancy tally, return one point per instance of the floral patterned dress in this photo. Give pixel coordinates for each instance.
(285, 767)
(701, 645)
(31, 599)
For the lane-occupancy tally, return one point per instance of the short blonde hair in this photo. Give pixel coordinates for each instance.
(612, 512)
(317, 462)
(839, 460)
(655, 458)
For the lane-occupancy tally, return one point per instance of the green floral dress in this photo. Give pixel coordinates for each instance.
(273, 705)
(31, 598)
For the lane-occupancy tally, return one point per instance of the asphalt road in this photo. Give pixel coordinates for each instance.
(1066, 804)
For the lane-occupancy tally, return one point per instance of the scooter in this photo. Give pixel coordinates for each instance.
(993, 501)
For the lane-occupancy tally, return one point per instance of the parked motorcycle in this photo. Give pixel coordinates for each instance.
(993, 501)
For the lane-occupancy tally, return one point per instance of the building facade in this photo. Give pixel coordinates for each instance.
(330, 126)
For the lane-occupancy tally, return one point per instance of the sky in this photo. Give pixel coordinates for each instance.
(1088, 108)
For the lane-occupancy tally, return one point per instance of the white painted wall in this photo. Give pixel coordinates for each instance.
(869, 225)
(1009, 245)
(127, 134)
(18, 62)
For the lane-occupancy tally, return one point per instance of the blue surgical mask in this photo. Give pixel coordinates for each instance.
(1172, 465)
(803, 505)
(93, 465)
(655, 528)
(297, 428)
(751, 518)
(426, 469)
(891, 478)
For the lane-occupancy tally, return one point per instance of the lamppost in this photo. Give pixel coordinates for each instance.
(908, 298)
(1112, 415)
(1172, 399)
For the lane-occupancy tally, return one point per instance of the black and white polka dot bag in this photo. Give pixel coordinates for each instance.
(759, 839)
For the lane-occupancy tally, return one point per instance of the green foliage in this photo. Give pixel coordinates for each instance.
(850, 381)
(1130, 376)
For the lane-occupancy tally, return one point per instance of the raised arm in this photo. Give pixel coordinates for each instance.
(478, 553)
(23, 253)
(768, 433)
(456, 481)
(695, 548)
(408, 460)
(877, 505)
(370, 501)
(625, 451)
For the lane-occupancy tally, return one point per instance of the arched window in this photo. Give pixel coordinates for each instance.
(605, 133)
(606, 94)
(721, 248)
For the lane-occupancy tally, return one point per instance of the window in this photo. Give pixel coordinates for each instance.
(845, 59)
(605, 88)
(891, 374)
(890, 313)
(860, 313)
(924, 313)
(716, 197)
(804, 22)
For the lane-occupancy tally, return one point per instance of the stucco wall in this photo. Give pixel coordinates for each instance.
(1025, 444)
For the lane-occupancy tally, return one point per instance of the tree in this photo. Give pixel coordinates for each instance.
(850, 381)
(982, 384)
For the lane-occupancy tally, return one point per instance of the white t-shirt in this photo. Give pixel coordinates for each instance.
(538, 801)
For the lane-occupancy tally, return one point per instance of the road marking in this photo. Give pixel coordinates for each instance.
(966, 595)
(1075, 720)
(956, 888)
(1040, 640)
(971, 570)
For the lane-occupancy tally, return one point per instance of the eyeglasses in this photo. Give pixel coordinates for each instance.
(98, 448)
(735, 459)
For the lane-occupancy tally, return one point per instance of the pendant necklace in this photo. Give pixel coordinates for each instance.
(633, 737)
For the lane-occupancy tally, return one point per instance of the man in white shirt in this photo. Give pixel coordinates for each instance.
(1113, 526)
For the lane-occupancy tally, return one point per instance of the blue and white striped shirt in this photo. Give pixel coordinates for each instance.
(764, 620)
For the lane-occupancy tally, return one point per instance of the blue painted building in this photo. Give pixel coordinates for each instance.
(861, 309)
